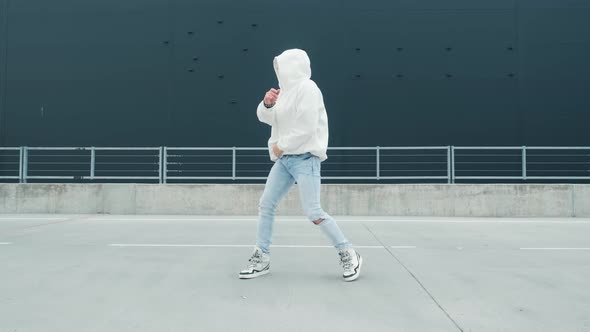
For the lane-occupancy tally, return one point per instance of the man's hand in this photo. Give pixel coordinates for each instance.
(271, 96)
(277, 151)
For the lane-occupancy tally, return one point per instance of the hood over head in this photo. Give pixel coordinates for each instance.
(292, 67)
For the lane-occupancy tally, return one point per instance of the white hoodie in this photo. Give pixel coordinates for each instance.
(299, 120)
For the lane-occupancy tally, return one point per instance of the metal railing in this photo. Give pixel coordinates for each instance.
(440, 164)
(521, 163)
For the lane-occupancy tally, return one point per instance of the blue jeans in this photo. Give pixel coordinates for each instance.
(305, 170)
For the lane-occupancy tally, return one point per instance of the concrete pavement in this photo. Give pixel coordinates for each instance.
(179, 273)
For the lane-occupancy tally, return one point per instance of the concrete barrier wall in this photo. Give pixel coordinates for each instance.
(493, 200)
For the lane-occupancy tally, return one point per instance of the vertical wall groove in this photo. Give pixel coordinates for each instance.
(521, 117)
(3, 68)
(171, 72)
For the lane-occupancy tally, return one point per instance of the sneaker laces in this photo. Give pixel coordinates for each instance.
(255, 259)
(345, 260)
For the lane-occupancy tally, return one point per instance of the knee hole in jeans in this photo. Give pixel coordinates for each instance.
(318, 221)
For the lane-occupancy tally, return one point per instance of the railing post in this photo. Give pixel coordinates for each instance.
(233, 163)
(378, 162)
(20, 165)
(165, 166)
(92, 162)
(160, 163)
(452, 164)
(449, 165)
(524, 162)
(25, 164)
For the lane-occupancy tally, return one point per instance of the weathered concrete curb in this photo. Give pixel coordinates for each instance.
(490, 200)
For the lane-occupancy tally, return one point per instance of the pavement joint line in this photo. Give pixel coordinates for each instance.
(61, 221)
(416, 279)
(24, 230)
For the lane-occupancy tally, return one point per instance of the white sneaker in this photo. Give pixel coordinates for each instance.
(351, 261)
(259, 265)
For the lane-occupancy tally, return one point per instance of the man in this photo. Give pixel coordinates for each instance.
(297, 145)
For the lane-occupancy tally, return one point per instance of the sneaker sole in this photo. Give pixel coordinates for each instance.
(254, 275)
(358, 272)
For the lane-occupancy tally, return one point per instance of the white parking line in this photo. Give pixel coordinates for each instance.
(178, 219)
(241, 246)
(433, 220)
(30, 218)
(554, 248)
(179, 245)
(1, 243)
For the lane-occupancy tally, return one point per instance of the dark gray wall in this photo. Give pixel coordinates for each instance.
(393, 72)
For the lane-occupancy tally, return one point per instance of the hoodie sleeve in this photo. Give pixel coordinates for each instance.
(306, 119)
(266, 115)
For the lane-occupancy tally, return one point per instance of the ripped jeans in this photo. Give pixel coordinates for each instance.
(305, 170)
